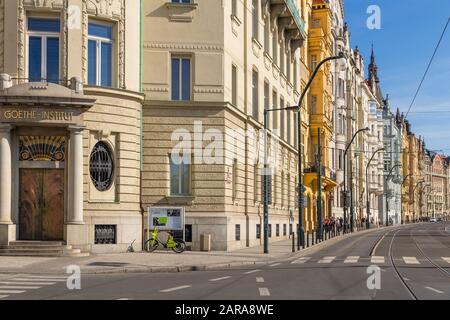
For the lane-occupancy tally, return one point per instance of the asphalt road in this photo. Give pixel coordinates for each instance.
(407, 262)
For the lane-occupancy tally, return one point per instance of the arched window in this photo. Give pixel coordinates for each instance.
(101, 166)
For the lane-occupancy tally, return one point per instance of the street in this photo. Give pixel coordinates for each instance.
(414, 262)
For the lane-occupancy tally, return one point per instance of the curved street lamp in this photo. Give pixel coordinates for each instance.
(387, 193)
(300, 229)
(403, 182)
(367, 187)
(345, 183)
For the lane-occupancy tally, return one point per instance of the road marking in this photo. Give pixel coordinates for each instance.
(253, 271)
(122, 299)
(3, 297)
(264, 292)
(327, 260)
(259, 280)
(411, 260)
(378, 260)
(301, 260)
(446, 259)
(435, 290)
(45, 277)
(406, 279)
(19, 287)
(275, 265)
(219, 279)
(31, 280)
(352, 259)
(28, 283)
(11, 291)
(175, 289)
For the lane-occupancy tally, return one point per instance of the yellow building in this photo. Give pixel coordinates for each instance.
(320, 109)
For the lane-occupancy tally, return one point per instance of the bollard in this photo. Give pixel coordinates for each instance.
(293, 241)
(307, 239)
(313, 238)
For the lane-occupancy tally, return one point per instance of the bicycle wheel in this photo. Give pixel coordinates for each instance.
(151, 245)
(180, 246)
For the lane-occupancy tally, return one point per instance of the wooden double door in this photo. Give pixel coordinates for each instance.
(41, 210)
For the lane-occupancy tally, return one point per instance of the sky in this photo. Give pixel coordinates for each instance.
(410, 30)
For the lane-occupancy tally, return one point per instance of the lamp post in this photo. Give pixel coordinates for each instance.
(300, 228)
(367, 187)
(345, 181)
(265, 177)
(403, 182)
(387, 193)
(414, 197)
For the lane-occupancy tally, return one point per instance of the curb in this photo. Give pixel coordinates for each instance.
(217, 266)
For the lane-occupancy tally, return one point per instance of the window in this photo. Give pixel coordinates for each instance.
(258, 231)
(255, 19)
(188, 233)
(284, 229)
(181, 79)
(295, 75)
(282, 59)
(101, 166)
(179, 177)
(275, 47)
(235, 179)
(274, 114)
(282, 119)
(267, 35)
(277, 230)
(43, 49)
(238, 232)
(100, 56)
(270, 231)
(181, 1)
(314, 104)
(234, 87)
(255, 93)
(313, 62)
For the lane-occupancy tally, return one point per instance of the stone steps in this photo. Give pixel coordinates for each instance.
(40, 249)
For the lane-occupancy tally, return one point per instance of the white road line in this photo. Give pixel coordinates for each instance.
(406, 279)
(27, 283)
(19, 287)
(264, 292)
(435, 290)
(378, 260)
(175, 289)
(352, 259)
(411, 260)
(3, 297)
(260, 280)
(253, 271)
(123, 299)
(301, 260)
(11, 291)
(34, 280)
(219, 279)
(275, 265)
(446, 259)
(45, 277)
(327, 260)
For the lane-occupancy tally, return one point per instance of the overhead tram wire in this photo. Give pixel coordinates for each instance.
(428, 67)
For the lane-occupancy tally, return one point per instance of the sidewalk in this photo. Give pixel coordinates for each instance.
(159, 261)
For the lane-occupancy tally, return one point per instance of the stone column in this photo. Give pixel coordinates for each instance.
(7, 229)
(75, 212)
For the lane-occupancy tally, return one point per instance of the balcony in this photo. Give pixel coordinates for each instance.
(286, 14)
(328, 178)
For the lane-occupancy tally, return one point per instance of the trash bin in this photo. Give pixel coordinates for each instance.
(205, 242)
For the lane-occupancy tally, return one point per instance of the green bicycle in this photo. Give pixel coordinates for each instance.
(178, 246)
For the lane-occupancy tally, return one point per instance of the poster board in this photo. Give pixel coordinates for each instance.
(166, 218)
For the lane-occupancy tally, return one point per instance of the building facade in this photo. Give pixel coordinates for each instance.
(392, 165)
(70, 123)
(210, 71)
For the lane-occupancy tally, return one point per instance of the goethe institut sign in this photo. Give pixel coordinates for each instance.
(18, 114)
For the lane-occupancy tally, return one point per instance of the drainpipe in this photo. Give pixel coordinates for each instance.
(247, 220)
(140, 125)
